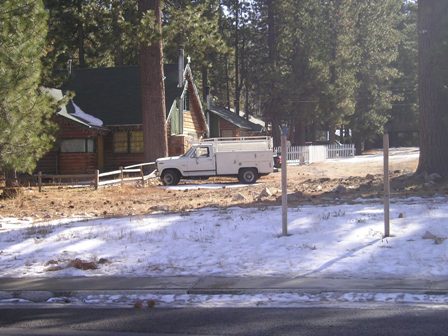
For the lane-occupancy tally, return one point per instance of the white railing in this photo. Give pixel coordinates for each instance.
(296, 154)
(340, 151)
(310, 154)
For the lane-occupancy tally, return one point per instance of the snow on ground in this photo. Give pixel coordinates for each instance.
(189, 185)
(336, 240)
(261, 300)
(266, 300)
(395, 155)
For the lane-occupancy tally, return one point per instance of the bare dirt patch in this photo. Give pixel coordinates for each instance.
(320, 183)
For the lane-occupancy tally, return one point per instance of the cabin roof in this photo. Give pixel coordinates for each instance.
(235, 119)
(113, 94)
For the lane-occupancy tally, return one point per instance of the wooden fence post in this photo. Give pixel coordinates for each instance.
(121, 176)
(39, 181)
(386, 186)
(97, 179)
(284, 154)
(142, 174)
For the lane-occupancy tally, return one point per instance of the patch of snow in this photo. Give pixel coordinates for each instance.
(337, 240)
(263, 300)
(14, 300)
(395, 155)
(208, 186)
(86, 117)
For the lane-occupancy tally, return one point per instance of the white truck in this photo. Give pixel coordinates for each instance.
(246, 158)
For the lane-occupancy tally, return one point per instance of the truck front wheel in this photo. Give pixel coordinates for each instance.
(170, 177)
(248, 175)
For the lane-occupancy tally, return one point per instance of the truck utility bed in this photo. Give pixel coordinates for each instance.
(260, 143)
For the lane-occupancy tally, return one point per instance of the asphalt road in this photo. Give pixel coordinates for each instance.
(395, 320)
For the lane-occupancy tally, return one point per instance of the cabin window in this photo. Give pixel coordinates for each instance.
(128, 142)
(136, 141)
(77, 146)
(186, 102)
(121, 142)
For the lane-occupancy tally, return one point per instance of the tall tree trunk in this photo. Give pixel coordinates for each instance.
(332, 134)
(247, 110)
(117, 33)
(272, 35)
(299, 132)
(204, 73)
(273, 100)
(432, 26)
(359, 143)
(153, 91)
(236, 102)
(227, 84)
(276, 133)
(81, 38)
(11, 178)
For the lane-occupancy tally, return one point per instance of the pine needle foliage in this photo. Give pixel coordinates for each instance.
(25, 109)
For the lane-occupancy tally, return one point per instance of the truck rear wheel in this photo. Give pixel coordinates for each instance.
(248, 175)
(170, 177)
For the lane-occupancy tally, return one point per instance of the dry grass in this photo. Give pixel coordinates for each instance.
(316, 183)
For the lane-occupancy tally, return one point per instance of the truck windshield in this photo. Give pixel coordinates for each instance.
(188, 153)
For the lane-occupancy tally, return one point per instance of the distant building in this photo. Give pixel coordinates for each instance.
(226, 123)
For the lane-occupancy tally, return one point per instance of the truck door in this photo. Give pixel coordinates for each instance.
(202, 162)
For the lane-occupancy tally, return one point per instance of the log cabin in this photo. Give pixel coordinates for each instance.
(101, 127)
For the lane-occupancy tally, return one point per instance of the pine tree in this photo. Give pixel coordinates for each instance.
(304, 42)
(194, 26)
(84, 33)
(377, 41)
(404, 113)
(268, 68)
(25, 110)
(338, 55)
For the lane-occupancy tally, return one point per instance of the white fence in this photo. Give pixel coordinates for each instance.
(310, 154)
(340, 151)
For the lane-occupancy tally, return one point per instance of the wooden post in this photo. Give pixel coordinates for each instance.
(142, 174)
(386, 186)
(121, 176)
(284, 183)
(39, 181)
(97, 179)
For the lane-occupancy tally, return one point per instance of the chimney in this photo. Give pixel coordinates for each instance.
(181, 68)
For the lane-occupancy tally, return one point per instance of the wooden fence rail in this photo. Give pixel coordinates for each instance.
(120, 176)
(82, 179)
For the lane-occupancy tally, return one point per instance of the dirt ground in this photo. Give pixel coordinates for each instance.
(342, 180)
